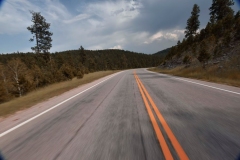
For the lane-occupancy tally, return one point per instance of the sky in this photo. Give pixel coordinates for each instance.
(145, 26)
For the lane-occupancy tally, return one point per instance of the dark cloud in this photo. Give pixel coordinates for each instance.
(166, 14)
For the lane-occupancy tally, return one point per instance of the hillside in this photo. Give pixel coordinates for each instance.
(217, 42)
(163, 53)
(212, 53)
(24, 72)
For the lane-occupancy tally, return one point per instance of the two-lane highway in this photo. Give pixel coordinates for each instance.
(110, 119)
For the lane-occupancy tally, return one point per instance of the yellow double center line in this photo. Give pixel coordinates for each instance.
(167, 154)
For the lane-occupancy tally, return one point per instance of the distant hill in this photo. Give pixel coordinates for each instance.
(163, 52)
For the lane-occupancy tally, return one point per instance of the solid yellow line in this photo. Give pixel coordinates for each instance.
(181, 153)
(162, 142)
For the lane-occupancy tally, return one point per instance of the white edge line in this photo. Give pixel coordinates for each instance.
(198, 83)
(208, 86)
(57, 105)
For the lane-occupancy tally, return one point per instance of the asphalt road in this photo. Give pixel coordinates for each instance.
(110, 121)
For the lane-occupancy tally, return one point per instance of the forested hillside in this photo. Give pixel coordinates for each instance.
(24, 72)
(216, 44)
(163, 53)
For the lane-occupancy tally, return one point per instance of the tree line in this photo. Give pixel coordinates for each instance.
(221, 32)
(21, 73)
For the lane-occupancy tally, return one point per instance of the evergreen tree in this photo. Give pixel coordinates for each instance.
(193, 22)
(42, 35)
(237, 28)
(66, 72)
(237, 15)
(194, 49)
(123, 60)
(4, 87)
(83, 55)
(178, 43)
(204, 56)
(228, 21)
(217, 51)
(208, 30)
(220, 9)
(187, 60)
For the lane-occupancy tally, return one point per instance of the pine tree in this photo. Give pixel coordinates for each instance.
(187, 60)
(208, 30)
(227, 39)
(237, 28)
(194, 49)
(220, 9)
(228, 22)
(202, 34)
(193, 22)
(204, 56)
(217, 51)
(66, 72)
(83, 55)
(123, 60)
(4, 84)
(178, 43)
(42, 35)
(237, 15)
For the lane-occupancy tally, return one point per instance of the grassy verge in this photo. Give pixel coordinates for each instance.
(211, 74)
(45, 93)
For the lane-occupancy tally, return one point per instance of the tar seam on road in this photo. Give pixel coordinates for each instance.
(71, 139)
(198, 83)
(181, 153)
(57, 105)
(166, 152)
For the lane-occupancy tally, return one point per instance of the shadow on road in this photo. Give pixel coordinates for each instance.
(1, 156)
(238, 158)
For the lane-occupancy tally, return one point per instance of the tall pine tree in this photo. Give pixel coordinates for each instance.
(220, 9)
(193, 22)
(42, 35)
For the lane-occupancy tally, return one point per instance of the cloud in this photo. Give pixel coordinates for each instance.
(137, 25)
(13, 18)
(116, 47)
(15, 15)
(100, 24)
(77, 18)
(172, 35)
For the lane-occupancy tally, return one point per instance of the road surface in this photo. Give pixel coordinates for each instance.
(135, 114)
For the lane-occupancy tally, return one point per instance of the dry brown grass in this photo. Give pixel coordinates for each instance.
(211, 74)
(47, 92)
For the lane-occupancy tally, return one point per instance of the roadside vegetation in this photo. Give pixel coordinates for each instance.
(212, 53)
(211, 74)
(47, 92)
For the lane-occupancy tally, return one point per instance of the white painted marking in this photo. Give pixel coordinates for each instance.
(207, 86)
(31, 119)
(198, 83)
